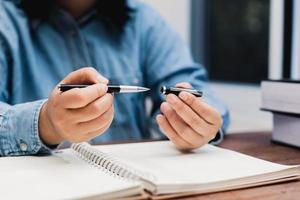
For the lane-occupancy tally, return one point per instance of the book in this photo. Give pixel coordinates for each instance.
(286, 129)
(149, 170)
(281, 96)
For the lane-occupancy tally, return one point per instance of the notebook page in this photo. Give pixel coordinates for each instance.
(62, 176)
(205, 165)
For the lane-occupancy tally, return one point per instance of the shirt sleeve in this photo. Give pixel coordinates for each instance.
(168, 61)
(19, 134)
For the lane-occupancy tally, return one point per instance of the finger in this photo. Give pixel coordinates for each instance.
(93, 134)
(170, 132)
(81, 97)
(81, 137)
(96, 124)
(85, 75)
(208, 113)
(88, 136)
(184, 85)
(181, 128)
(188, 115)
(92, 110)
(96, 133)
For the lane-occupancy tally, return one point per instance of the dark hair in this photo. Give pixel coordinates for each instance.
(115, 13)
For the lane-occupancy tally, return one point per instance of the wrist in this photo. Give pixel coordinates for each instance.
(46, 129)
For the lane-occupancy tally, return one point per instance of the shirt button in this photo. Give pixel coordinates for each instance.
(23, 147)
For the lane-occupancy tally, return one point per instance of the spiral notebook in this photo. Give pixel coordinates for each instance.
(151, 170)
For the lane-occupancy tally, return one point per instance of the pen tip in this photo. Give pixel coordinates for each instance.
(144, 89)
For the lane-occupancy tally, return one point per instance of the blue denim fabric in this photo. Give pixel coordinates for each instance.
(35, 55)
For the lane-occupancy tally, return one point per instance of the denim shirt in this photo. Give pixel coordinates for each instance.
(36, 54)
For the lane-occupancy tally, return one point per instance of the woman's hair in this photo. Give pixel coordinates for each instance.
(115, 13)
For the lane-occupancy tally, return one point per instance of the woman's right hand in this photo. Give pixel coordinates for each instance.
(78, 114)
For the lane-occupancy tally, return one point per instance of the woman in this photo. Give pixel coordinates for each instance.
(125, 42)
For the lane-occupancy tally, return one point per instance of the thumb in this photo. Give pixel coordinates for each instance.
(86, 75)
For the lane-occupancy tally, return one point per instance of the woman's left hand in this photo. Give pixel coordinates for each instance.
(188, 121)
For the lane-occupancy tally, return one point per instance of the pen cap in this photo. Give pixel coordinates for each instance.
(174, 90)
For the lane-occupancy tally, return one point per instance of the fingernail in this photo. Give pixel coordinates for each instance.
(183, 96)
(103, 87)
(102, 79)
(158, 118)
(165, 107)
(172, 98)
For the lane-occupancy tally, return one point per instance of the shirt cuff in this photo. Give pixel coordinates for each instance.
(19, 130)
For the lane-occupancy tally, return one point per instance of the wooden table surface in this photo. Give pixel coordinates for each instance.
(259, 145)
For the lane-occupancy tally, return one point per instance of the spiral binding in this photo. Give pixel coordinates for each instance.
(108, 163)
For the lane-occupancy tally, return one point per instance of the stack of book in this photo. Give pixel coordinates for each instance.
(282, 98)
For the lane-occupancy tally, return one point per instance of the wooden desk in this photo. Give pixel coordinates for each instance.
(259, 145)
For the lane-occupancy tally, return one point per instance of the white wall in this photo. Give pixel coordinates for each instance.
(177, 13)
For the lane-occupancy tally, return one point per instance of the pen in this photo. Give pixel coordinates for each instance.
(175, 90)
(111, 88)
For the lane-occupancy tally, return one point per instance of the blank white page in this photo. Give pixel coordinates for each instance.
(61, 176)
(205, 165)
